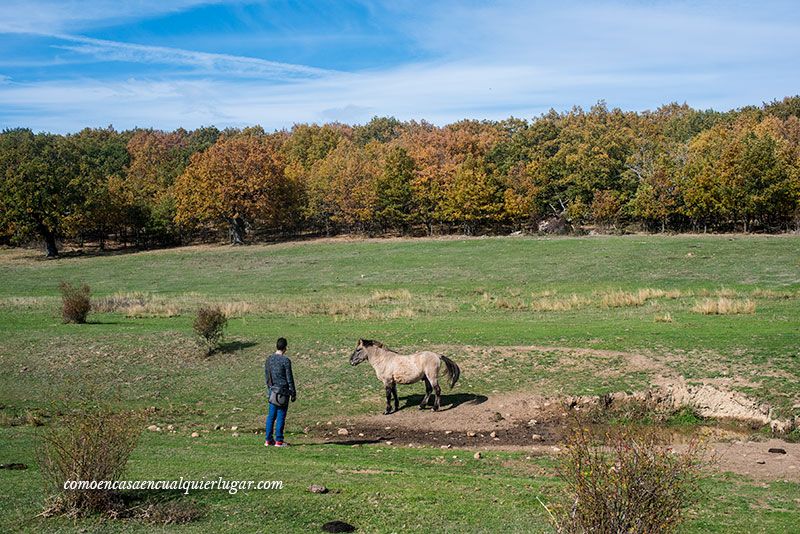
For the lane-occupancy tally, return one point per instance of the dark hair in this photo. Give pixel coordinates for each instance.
(281, 344)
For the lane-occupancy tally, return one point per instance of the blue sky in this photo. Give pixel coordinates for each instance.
(67, 64)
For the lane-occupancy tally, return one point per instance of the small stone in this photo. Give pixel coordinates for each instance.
(170, 427)
(389, 442)
(234, 428)
(343, 432)
(317, 488)
(537, 437)
(235, 434)
(470, 434)
(478, 456)
(153, 428)
(195, 434)
(217, 427)
(448, 432)
(448, 446)
(493, 434)
(532, 422)
(360, 434)
(761, 462)
(329, 423)
(497, 417)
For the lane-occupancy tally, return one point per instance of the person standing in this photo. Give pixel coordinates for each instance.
(280, 390)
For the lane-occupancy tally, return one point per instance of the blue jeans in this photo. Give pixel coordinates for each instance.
(276, 417)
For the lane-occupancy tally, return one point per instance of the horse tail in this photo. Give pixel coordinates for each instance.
(452, 370)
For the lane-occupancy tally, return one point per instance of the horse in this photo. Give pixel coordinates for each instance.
(393, 368)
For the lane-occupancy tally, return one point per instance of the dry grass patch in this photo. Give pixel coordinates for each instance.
(383, 295)
(571, 302)
(771, 294)
(664, 318)
(724, 306)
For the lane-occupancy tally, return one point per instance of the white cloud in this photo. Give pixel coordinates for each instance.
(221, 64)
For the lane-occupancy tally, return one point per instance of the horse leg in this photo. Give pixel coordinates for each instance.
(396, 399)
(388, 400)
(438, 399)
(428, 390)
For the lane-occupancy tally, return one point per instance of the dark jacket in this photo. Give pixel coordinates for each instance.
(281, 368)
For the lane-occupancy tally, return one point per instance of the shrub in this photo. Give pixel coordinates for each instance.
(88, 445)
(628, 481)
(210, 325)
(75, 302)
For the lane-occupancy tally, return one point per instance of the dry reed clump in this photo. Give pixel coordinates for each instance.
(663, 318)
(75, 302)
(572, 302)
(625, 481)
(510, 304)
(89, 445)
(137, 304)
(233, 309)
(772, 294)
(382, 295)
(724, 306)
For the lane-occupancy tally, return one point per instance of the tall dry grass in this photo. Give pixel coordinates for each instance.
(724, 306)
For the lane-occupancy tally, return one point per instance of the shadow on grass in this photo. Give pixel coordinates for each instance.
(448, 402)
(351, 442)
(234, 346)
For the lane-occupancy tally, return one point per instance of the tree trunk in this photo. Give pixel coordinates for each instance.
(50, 243)
(237, 230)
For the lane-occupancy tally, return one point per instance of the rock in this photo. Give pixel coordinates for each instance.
(537, 437)
(448, 446)
(777, 450)
(360, 434)
(761, 462)
(448, 432)
(338, 526)
(389, 442)
(497, 417)
(470, 434)
(234, 428)
(343, 432)
(170, 427)
(152, 428)
(217, 427)
(317, 488)
(235, 434)
(493, 434)
(532, 422)
(195, 434)
(478, 456)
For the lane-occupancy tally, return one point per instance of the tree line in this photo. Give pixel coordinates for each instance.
(672, 169)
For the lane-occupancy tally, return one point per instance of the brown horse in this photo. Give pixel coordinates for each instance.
(393, 368)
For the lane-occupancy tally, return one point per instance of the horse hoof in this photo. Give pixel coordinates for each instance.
(422, 407)
(387, 412)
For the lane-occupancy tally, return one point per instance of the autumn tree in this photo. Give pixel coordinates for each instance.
(395, 202)
(239, 181)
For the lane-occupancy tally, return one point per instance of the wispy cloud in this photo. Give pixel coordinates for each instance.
(52, 16)
(207, 63)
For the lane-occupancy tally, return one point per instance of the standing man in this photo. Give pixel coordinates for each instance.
(280, 389)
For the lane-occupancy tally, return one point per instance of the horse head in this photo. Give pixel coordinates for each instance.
(360, 354)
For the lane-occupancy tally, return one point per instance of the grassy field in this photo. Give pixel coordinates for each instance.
(474, 299)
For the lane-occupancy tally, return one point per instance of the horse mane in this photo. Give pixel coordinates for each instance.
(373, 343)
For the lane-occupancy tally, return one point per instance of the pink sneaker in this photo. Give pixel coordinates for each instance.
(269, 443)
(281, 444)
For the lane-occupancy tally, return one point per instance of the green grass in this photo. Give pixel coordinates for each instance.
(471, 298)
